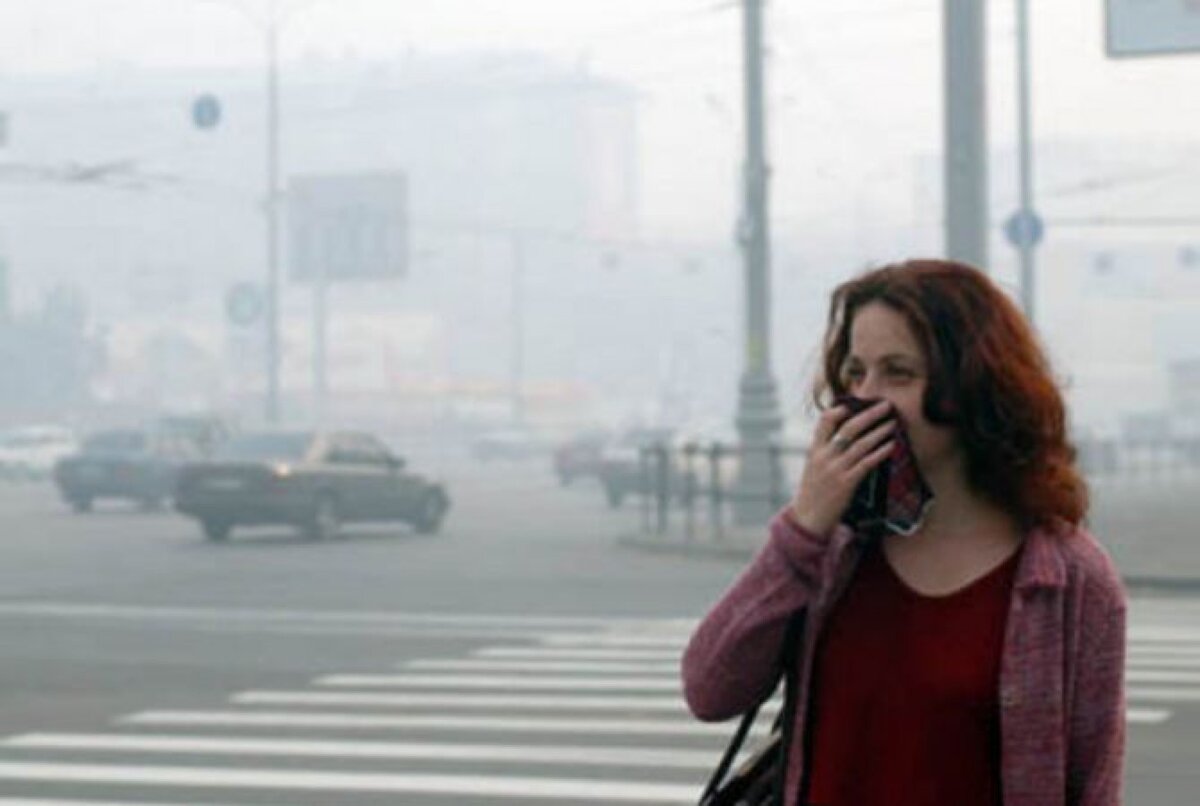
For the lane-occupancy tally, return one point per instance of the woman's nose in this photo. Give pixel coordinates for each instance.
(870, 386)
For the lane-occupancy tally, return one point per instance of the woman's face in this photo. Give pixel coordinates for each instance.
(886, 361)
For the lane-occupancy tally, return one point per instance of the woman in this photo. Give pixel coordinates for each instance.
(977, 660)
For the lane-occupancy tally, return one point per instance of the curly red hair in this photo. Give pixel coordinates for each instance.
(989, 380)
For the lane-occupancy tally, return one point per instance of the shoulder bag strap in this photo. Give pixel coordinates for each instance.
(795, 636)
(792, 634)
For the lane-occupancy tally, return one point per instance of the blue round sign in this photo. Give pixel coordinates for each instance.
(1024, 227)
(206, 112)
(245, 304)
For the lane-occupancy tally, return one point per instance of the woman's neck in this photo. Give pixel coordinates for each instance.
(962, 516)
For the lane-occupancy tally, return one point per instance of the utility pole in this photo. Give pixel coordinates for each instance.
(1030, 228)
(965, 153)
(758, 418)
(272, 211)
(271, 24)
(321, 342)
(517, 300)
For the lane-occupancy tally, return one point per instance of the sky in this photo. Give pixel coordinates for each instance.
(854, 86)
(854, 98)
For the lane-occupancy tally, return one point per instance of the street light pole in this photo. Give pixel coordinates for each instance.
(271, 25)
(1026, 244)
(517, 318)
(272, 213)
(758, 418)
(965, 153)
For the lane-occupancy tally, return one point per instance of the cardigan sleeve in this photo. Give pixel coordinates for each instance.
(1096, 744)
(732, 660)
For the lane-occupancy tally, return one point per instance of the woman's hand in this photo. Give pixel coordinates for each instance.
(844, 450)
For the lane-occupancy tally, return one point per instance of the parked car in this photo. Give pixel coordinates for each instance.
(621, 469)
(313, 480)
(30, 453)
(580, 456)
(509, 443)
(138, 465)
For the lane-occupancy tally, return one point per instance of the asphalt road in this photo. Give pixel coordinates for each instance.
(521, 656)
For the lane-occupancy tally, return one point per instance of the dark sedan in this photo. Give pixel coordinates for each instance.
(314, 481)
(133, 465)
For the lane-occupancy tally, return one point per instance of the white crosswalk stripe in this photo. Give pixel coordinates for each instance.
(590, 667)
(683, 726)
(615, 692)
(501, 682)
(583, 711)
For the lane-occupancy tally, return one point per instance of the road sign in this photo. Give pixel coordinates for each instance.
(245, 304)
(1024, 227)
(206, 112)
(348, 227)
(1151, 27)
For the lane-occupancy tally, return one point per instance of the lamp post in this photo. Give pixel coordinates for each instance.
(270, 25)
(758, 417)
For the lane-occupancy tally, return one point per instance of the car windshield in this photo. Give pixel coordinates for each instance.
(115, 442)
(648, 436)
(266, 447)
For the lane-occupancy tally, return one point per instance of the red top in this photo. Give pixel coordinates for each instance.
(905, 705)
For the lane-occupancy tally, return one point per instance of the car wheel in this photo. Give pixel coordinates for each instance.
(81, 504)
(432, 511)
(216, 530)
(323, 523)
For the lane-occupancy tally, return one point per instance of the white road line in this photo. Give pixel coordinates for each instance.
(1157, 676)
(1147, 632)
(340, 782)
(593, 666)
(577, 654)
(45, 802)
(1166, 694)
(426, 633)
(1147, 716)
(594, 756)
(1159, 648)
(682, 726)
(226, 615)
(508, 683)
(613, 640)
(460, 701)
(1162, 662)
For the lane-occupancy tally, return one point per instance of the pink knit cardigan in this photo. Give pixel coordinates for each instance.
(1061, 687)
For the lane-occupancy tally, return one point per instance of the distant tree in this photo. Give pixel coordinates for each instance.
(47, 358)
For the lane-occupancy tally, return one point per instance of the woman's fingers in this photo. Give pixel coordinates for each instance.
(828, 424)
(853, 428)
(873, 459)
(867, 444)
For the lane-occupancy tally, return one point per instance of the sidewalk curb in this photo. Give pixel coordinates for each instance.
(735, 548)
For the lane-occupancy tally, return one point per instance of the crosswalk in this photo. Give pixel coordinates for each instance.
(572, 712)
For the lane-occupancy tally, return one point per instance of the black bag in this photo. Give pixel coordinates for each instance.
(759, 780)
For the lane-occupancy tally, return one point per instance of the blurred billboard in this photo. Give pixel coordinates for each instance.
(1151, 27)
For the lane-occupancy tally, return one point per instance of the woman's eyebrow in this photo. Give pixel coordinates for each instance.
(853, 359)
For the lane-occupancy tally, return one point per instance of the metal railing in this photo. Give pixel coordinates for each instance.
(702, 482)
(694, 489)
(1134, 459)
